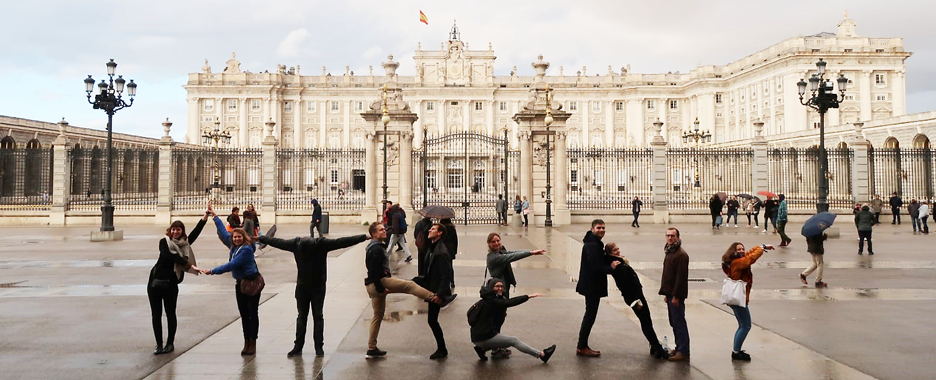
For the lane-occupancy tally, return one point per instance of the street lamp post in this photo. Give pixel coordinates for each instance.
(385, 119)
(214, 139)
(822, 98)
(696, 135)
(425, 166)
(109, 98)
(548, 120)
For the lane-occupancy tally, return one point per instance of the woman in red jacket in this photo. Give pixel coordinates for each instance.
(737, 265)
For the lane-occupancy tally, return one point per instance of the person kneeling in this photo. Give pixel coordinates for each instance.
(491, 308)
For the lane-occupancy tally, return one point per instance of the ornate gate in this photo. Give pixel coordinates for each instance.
(465, 171)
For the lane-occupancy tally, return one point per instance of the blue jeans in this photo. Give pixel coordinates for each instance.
(677, 320)
(730, 214)
(916, 223)
(743, 315)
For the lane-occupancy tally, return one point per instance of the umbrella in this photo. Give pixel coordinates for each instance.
(745, 196)
(818, 223)
(767, 194)
(722, 195)
(437, 212)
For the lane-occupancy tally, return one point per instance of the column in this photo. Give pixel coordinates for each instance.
(658, 179)
(441, 111)
(323, 116)
(192, 130)
(466, 116)
(864, 95)
(60, 175)
(561, 215)
(418, 125)
(242, 128)
(219, 110)
(760, 166)
(370, 178)
(585, 113)
(297, 123)
(267, 213)
(898, 93)
(635, 122)
(346, 126)
(491, 129)
(406, 170)
(706, 113)
(165, 185)
(860, 167)
(526, 165)
(609, 124)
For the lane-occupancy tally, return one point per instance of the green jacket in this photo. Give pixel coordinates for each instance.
(864, 220)
(782, 212)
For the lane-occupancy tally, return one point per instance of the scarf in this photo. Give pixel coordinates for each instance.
(182, 248)
(672, 248)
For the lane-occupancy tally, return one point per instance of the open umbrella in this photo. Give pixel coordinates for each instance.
(767, 194)
(722, 195)
(745, 196)
(818, 223)
(437, 212)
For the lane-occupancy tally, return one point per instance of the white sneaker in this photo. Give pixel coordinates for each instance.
(764, 232)
(735, 226)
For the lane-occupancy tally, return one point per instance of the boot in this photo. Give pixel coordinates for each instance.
(252, 347)
(246, 346)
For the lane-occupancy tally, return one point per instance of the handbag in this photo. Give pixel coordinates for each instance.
(252, 286)
(733, 293)
(718, 220)
(526, 211)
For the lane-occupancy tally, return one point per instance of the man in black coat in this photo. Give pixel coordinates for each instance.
(896, 203)
(421, 238)
(592, 283)
(715, 208)
(316, 222)
(438, 279)
(635, 205)
(311, 258)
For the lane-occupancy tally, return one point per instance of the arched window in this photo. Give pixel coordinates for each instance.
(842, 145)
(96, 183)
(921, 142)
(33, 175)
(7, 143)
(891, 143)
(7, 166)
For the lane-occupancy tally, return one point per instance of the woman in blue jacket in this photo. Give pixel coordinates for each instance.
(243, 267)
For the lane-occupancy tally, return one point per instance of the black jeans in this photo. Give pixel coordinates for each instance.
(646, 324)
(434, 325)
(313, 226)
(315, 298)
(157, 297)
(526, 220)
(862, 236)
(877, 218)
(896, 217)
(502, 216)
(588, 320)
(730, 214)
(248, 307)
(635, 222)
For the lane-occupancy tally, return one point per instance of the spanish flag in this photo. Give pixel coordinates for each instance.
(423, 19)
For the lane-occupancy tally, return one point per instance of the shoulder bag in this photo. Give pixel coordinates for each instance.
(733, 293)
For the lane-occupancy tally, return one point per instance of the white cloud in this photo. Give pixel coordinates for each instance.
(294, 44)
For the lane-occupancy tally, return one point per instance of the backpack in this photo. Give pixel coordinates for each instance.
(400, 222)
(474, 312)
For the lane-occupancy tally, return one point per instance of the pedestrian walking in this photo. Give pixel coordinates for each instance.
(485, 334)
(311, 255)
(439, 277)
(895, 203)
(592, 283)
(758, 204)
(674, 287)
(498, 266)
(914, 210)
(864, 221)
(526, 212)
(379, 283)
(736, 263)
(635, 208)
(814, 245)
(924, 214)
(421, 238)
(715, 208)
(876, 206)
(316, 222)
(398, 231)
(782, 221)
(501, 207)
(249, 282)
(162, 288)
(770, 213)
(632, 291)
(733, 207)
(234, 220)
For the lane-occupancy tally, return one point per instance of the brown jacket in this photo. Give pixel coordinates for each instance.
(740, 268)
(675, 281)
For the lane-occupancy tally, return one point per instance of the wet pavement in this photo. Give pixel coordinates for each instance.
(73, 309)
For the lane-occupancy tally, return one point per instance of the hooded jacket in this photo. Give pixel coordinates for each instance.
(594, 270)
(782, 211)
(316, 211)
(495, 308)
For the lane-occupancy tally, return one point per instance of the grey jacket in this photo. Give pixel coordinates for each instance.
(877, 205)
(498, 264)
(501, 205)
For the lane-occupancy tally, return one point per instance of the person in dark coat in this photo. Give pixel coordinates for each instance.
(635, 208)
(632, 291)
(592, 283)
(316, 222)
(771, 207)
(398, 231)
(451, 240)
(864, 221)
(715, 208)
(914, 210)
(311, 255)
(438, 279)
(485, 333)
(501, 207)
(814, 245)
(421, 238)
(498, 266)
(234, 220)
(733, 206)
(674, 287)
(162, 287)
(895, 203)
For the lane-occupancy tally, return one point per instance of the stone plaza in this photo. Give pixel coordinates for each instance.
(74, 309)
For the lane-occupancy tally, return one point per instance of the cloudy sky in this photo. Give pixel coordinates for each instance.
(52, 45)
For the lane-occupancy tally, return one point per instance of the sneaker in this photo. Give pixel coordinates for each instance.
(870, 253)
(294, 352)
(659, 353)
(820, 284)
(547, 353)
(375, 353)
(802, 278)
(860, 253)
(499, 353)
(789, 243)
(409, 258)
(735, 226)
(439, 354)
(764, 231)
(319, 351)
(740, 355)
(480, 352)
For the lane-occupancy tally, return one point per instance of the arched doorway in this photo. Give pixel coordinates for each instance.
(7, 166)
(33, 168)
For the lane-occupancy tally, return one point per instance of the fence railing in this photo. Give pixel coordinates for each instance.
(228, 177)
(907, 172)
(134, 178)
(608, 178)
(25, 179)
(795, 174)
(694, 175)
(335, 177)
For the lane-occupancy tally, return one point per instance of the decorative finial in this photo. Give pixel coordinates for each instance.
(166, 126)
(62, 126)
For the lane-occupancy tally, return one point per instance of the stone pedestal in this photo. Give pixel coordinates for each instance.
(99, 236)
(165, 183)
(267, 210)
(60, 175)
(658, 179)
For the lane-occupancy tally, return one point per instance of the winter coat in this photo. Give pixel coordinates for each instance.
(715, 205)
(316, 212)
(311, 255)
(895, 202)
(234, 221)
(439, 274)
(518, 206)
(594, 270)
(500, 205)
(421, 237)
(675, 279)
(782, 211)
(626, 280)
(739, 268)
(494, 309)
(375, 259)
(924, 210)
(814, 244)
(635, 206)
(241, 262)
(757, 205)
(864, 220)
(450, 238)
(770, 207)
(498, 264)
(397, 220)
(914, 209)
(877, 205)
(164, 269)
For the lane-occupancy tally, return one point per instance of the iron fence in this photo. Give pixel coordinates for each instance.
(907, 172)
(134, 178)
(227, 177)
(694, 175)
(335, 177)
(610, 178)
(795, 174)
(25, 178)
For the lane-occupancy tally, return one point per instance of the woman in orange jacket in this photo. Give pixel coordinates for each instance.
(737, 265)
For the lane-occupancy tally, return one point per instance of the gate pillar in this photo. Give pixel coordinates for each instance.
(658, 176)
(60, 175)
(861, 167)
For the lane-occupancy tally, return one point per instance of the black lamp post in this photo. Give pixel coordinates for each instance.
(213, 139)
(109, 99)
(548, 121)
(822, 98)
(385, 119)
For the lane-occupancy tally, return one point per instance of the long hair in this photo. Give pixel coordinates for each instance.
(491, 236)
(242, 232)
(729, 255)
(178, 224)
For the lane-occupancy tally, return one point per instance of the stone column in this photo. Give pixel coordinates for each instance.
(443, 129)
(268, 206)
(635, 122)
(192, 130)
(658, 176)
(526, 165)
(586, 133)
(297, 123)
(864, 95)
(561, 215)
(242, 126)
(898, 92)
(609, 124)
(165, 178)
(406, 170)
(860, 167)
(490, 117)
(60, 175)
(370, 178)
(760, 167)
